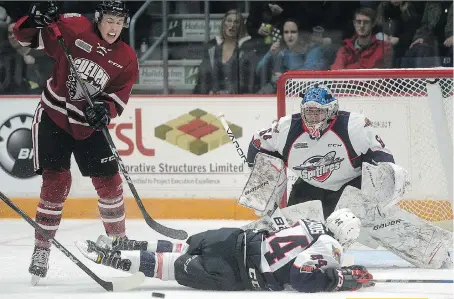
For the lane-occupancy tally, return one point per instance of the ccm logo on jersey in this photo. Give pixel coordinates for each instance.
(319, 168)
(115, 64)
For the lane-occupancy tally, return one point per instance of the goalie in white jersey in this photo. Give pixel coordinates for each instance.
(306, 257)
(325, 147)
(340, 161)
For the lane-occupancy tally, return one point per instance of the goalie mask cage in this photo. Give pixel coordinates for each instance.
(411, 110)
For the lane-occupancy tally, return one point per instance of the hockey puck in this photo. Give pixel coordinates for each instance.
(158, 295)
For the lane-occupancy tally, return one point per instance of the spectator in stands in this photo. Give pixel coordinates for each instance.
(399, 20)
(4, 21)
(363, 50)
(297, 52)
(264, 18)
(448, 43)
(424, 50)
(17, 63)
(228, 64)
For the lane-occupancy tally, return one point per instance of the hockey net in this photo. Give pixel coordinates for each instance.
(412, 111)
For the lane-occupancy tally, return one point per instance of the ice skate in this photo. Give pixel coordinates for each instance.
(104, 256)
(120, 243)
(39, 264)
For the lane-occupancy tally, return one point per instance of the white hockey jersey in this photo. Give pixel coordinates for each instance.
(296, 257)
(329, 162)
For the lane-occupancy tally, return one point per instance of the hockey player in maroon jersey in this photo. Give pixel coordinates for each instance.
(64, 123)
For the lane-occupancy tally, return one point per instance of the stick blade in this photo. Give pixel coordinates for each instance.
(127, 283)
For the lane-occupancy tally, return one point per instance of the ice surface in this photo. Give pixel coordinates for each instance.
(66, 280)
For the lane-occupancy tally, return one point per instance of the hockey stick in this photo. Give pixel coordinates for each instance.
(123, 284)
(411, 281)
(166, 231)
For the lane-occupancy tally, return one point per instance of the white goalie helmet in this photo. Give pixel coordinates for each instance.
(344, 226)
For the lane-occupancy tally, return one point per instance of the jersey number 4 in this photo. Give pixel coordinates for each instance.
(280, 246)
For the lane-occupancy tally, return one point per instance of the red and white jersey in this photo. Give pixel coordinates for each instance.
(294, 244)
(104, 67)
(329, 162)
(292, 256)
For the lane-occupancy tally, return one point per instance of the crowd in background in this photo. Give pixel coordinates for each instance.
(250, 53)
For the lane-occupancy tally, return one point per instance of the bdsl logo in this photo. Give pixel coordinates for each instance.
(16, 146)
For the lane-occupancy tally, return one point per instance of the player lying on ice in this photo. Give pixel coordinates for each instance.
(306, 257)
(342, 162)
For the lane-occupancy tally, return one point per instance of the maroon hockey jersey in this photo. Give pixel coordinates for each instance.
(104, 67)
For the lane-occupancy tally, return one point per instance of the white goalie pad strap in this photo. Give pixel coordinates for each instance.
(307, 210)
(266, 184)
(386, 183)
(414, 240)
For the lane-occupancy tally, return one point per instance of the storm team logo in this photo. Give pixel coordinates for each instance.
(16, 146)
(319, 168)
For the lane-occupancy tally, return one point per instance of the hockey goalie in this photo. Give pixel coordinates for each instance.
(341, 162)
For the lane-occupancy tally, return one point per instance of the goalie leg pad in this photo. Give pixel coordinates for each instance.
(288, 216)
(414, 240)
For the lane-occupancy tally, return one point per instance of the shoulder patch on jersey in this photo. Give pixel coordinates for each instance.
(367, 122)
(71, 15)
(336, 254)
(257, 143)
(83, 45)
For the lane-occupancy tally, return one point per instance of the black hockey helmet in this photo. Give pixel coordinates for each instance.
(114, 7)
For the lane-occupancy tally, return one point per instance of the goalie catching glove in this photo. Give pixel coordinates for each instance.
(350, 278)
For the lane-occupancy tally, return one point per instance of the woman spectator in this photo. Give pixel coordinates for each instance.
(297, 53)
(229, 61)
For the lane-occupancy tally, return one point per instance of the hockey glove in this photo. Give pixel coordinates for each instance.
(350, 278)
(97, 116)
(42, 15)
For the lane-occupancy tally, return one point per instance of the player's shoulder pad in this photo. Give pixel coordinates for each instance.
(77, 22)
(128, 52)
(358, 122)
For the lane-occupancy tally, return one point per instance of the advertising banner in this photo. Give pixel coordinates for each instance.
(177, 148)
(17, 176)
(192, 29)
(182, 76)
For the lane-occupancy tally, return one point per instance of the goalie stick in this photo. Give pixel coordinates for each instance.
(120, 285)
(412, 281)
(166, 231)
